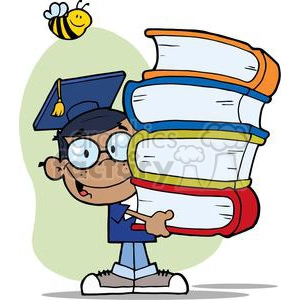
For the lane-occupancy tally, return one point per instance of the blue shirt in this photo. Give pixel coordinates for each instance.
(119, 229)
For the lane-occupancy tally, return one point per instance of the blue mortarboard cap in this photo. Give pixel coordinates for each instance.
(70, 98)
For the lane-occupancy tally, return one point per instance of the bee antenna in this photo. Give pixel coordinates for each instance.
(87, 4)
(78, 3)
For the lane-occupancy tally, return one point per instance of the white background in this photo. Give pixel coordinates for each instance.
(268, 254)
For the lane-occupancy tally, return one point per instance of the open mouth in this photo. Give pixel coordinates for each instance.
(82, 192)
(76, 25)
(80, 188)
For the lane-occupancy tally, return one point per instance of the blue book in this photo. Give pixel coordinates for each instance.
(193, 103)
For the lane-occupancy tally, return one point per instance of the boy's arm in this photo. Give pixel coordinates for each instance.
(156, 224)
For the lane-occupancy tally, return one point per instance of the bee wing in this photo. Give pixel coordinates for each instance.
(53, 11)
(47, 15)
(63, 9)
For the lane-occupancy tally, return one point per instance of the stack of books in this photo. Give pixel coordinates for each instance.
(198, 115)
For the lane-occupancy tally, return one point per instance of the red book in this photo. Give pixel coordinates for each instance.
(199, 211)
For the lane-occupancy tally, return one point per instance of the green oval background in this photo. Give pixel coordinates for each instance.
(69, 237)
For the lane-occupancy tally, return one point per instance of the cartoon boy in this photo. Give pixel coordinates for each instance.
(93, 141)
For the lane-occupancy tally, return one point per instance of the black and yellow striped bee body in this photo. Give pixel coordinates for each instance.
(61, 28)
(65, 24)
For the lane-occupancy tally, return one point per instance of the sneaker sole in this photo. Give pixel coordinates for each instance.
(90, 286)
(178, 285)
(108, 291)
(158, 290)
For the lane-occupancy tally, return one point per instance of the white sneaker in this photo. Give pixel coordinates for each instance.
(163, 282)
(105, 282)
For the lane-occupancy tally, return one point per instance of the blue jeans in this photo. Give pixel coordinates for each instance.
(134, 262)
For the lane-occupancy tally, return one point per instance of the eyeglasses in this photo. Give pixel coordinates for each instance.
(84, 153)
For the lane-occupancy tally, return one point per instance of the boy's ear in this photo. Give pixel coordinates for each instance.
(54, 168)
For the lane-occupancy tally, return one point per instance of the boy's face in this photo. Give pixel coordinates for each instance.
(96, 171)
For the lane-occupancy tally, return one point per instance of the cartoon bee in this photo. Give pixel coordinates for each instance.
(65, 24)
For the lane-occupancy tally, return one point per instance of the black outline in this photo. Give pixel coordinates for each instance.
(79, 1)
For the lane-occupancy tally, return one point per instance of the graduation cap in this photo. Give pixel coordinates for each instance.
(70, 98)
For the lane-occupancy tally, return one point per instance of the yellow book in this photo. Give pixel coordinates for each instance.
(194, 158)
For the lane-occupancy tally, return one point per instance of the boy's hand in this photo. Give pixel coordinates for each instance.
(157, 223)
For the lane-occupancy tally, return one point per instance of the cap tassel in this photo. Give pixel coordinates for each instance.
(59, 108)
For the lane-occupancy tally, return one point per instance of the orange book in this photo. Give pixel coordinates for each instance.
(207, 55)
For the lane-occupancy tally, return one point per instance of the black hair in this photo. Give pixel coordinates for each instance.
(89, 123)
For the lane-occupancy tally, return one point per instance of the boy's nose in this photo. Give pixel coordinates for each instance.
(105, 160)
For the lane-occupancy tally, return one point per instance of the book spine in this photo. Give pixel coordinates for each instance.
(192, 125)
(266, 84)
(258, 135)
(212, 130)
(250, 210)
(245, 201)
(266, 80)
(204, 182)
(196, 81)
